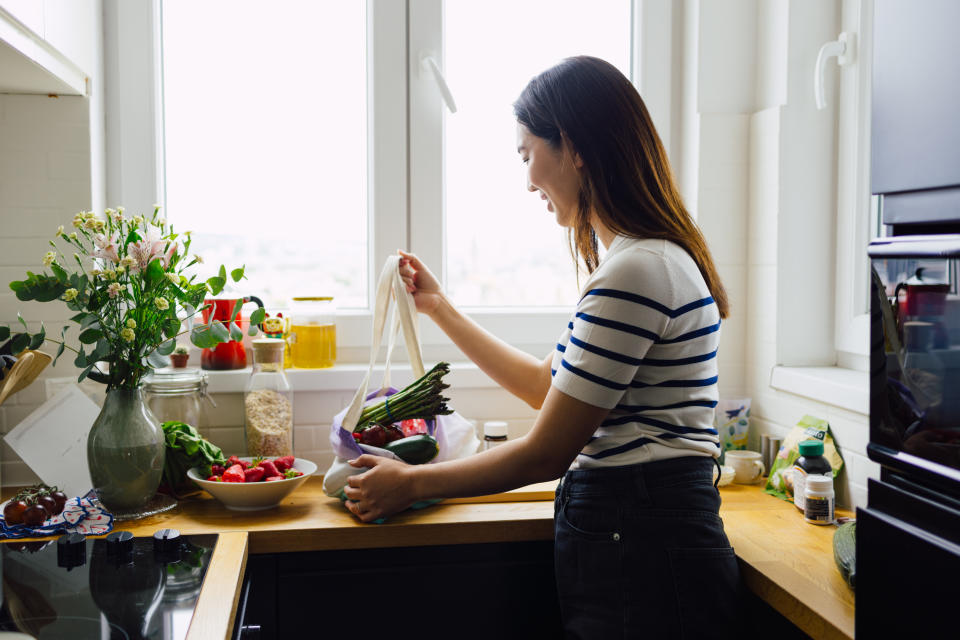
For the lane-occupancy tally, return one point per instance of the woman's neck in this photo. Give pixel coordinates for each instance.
(604, 234)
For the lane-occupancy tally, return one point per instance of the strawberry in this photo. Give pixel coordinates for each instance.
(217, 469)
(214, 478)
(272, 478)
(292, 473)
(269, 469)
(233, 474)
(283, 463)
(232, 460)
(413, 427)
(253, 474)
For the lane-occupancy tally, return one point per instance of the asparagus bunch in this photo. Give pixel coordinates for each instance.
(421, 399)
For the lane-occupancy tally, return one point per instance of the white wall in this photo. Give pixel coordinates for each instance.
(51, 166)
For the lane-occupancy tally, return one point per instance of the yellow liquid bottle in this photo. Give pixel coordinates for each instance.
(313, 346)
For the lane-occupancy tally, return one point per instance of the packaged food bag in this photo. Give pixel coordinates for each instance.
(780, 480)
(456, 437)
(732, 421)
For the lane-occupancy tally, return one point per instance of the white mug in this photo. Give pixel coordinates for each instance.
(746, 464)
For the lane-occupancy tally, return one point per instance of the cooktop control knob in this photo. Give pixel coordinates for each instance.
(119, 543)
(71, 550)
(166, 545)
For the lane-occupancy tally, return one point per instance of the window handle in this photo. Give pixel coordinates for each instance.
(844, 49)
(429, 63)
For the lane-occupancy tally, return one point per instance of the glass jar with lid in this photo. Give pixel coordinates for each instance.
(178, 395)
(268, 403)
(313, 332)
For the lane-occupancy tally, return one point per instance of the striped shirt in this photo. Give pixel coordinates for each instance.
(642, 342)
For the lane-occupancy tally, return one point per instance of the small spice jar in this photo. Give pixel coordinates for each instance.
(268, 403)
(818, 500)
(178, 395)
(313, 332)
(494, 433)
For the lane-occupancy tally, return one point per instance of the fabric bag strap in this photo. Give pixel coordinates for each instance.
(389, 286)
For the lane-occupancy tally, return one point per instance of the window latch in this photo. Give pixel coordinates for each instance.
(844, 50)
(429, 64)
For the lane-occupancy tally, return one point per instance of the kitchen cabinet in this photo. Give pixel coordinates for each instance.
(31, 64)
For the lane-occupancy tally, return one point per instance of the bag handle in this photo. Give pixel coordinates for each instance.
(389, 285)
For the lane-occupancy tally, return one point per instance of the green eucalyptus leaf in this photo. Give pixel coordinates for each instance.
(236, 309)
(4, 333)
(237, 274)
(90, 320)
(79, 317)
(22, 321)
(84, 373)
(19, 342)
(89, 336)
(223, 273)
(236, 333)
(81, 359)
(167, 347)
(257, 316)
(158, 361)
(99, 376)
(220, 332)
(200, 337)
(58, 271)
(171, 327)
(216, 284)
(59, 352)
(38, 338)
(102, 350)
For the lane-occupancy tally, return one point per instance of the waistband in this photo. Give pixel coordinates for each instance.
(659, 473)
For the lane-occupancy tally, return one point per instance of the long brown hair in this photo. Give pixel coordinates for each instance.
(626, 177)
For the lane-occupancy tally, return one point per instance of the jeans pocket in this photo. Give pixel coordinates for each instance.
(706, 582)
(589, 518)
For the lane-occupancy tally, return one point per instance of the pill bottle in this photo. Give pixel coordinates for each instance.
(494, 433)
(818, 500)
(811, 462)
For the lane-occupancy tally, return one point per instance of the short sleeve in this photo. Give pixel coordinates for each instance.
(624, 311)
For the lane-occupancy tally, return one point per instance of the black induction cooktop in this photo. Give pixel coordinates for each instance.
(116, 587)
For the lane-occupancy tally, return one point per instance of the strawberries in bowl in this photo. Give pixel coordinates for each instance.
(251, 484)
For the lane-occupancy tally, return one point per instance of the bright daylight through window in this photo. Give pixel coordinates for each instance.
(503, 247)
(266, 144)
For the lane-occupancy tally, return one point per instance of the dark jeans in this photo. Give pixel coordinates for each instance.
(640, 553)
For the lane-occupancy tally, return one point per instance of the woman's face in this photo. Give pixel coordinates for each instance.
(552, 172)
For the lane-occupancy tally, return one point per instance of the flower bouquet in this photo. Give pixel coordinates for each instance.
(126, 280)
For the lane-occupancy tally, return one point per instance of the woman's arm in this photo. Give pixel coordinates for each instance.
(516, 371)
(559, 433)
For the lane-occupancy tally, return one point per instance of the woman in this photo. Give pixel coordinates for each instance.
(627, 398)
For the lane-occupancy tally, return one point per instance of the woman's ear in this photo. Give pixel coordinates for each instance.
(574, 155)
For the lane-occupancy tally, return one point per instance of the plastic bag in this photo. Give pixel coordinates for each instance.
(732, 420)
(456, 437)
(780, 480)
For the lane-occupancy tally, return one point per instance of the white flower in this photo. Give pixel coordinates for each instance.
(118, 216)
(89, 215)
(49, 258)
(99, 225)
(128, 334)
(70, 294)
(73, 236)
(131, 323)
(120, 210)
(162, 221)
(77, 222)
(161, 303)
(173, 278)
(120, 268)
(127, 261)
(157, 206)
(59, 231)
(110, 274)
(106, 247)
(138, 219)
(96, 272)
(198, 258)
(109, 211)
(113, 289)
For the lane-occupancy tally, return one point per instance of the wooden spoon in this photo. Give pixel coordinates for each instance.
(23, 372)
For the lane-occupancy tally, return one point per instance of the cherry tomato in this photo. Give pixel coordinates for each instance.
(61, 499)
(35, 516)
(13, 512)
(48, 503)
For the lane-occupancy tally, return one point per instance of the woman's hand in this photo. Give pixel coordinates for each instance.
(420, 282)
(380, 492)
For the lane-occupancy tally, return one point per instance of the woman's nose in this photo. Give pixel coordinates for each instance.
(530, 186)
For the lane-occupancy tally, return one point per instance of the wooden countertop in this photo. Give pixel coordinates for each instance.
(785, 561)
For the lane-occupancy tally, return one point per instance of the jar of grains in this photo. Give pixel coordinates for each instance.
(178, 394)
(268, 403)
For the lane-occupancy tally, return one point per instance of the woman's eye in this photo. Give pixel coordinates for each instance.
(526, 160)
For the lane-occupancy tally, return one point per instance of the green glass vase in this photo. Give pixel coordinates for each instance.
(125, 452)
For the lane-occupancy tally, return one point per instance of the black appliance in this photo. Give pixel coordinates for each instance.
(915, 139)
(116, 587)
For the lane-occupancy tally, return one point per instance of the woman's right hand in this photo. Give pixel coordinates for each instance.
(420, 282)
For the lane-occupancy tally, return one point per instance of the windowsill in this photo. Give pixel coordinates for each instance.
(347, 377)
(845, 388)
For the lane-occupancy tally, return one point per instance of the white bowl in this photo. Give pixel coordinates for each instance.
(726, 475)
(253, 496)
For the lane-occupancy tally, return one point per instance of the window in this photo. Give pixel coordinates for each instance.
(266, 142)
